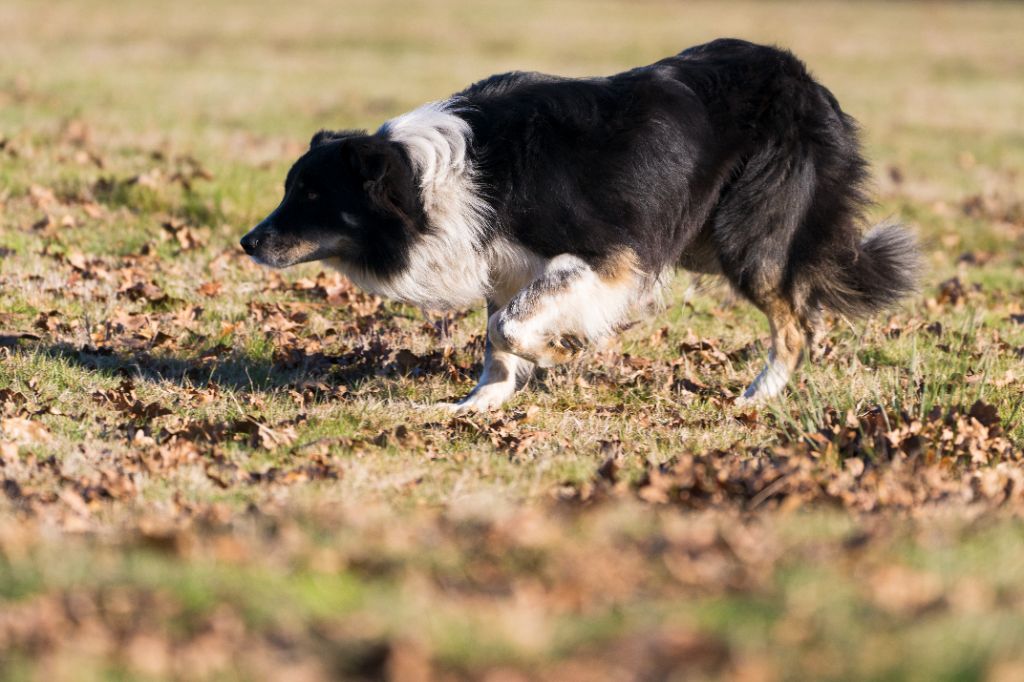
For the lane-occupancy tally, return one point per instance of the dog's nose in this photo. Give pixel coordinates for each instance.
(249, 243)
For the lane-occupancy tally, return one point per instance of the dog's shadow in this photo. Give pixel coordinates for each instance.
(231, 370)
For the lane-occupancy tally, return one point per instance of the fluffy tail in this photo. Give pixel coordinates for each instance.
(885, 268)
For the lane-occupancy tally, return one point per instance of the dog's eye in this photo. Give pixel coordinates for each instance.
(312, 196)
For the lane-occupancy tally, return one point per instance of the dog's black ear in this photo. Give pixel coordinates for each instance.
(325, 136)
(388, 178)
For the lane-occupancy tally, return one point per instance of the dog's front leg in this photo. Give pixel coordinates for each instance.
(504, 373)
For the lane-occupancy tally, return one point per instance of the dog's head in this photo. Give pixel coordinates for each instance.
(351, 197)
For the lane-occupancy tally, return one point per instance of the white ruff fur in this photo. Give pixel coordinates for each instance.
(449, 267)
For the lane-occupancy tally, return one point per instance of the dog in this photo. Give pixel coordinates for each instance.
(566, 204)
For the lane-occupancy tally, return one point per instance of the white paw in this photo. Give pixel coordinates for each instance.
(484, 398)
(768, 384)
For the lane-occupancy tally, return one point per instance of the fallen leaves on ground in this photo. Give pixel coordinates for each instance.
(864, 463)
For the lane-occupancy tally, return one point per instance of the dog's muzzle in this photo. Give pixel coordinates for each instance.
(265, 245)
(258, 240)
(252, 240)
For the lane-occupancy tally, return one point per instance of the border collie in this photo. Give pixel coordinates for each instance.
(566, 203)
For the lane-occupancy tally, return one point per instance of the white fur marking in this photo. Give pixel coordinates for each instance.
(494, 388)
(588, 307)
(448, 268)
(769, 383)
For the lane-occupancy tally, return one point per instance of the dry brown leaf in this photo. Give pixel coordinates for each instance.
(24, 431)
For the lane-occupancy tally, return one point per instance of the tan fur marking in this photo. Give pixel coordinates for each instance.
(619, 269)
(297, 252)
(787, 335)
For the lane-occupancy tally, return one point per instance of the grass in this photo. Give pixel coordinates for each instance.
(239, 474)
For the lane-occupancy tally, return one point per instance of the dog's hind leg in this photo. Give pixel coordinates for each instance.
(570, 306)
(814, 333)
(504, 373)
(788, 335)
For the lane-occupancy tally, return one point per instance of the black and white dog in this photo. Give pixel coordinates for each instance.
(566, 204)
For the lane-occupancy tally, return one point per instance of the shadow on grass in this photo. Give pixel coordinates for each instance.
(231, 370)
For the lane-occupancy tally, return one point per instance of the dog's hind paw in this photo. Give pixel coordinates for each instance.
(484, 398)
(464, 406)
(769, 383)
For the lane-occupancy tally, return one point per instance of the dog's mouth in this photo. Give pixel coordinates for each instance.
(286, 256)
(268, 247)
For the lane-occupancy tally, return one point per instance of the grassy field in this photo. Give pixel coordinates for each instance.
(211, 470)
